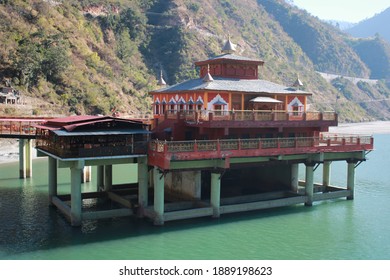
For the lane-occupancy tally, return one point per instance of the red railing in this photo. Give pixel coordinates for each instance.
(248, 115)
(162, 152)
(19, 126)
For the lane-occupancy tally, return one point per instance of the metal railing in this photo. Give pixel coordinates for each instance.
(248, 115)
(17, 127)
(323, 141)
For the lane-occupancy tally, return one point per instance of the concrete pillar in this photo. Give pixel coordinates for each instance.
(86, 174)
(158, 179)
(25, 158)
(309, 184)
(215, 196)
(198, 184)
(28, 151)
(351, 179)
(107, 177)
(75, 195)
(326, 173)
(143, 185)
(52, 178)
(294, 177)
(100, 177)
(22, 159)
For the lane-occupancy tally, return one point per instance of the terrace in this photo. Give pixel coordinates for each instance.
(251, 118)
(163, 153)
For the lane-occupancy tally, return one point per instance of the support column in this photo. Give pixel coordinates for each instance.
(28, 151)
(215, 196)
(309, 184)
(107, 177)
(100, 177)
(142, 185)
(326, 174)
(294, 177)
(52, 178)
(198, 184)
(158, 179)
(86, 174)
(75, 195)
(22, 159)
(351, 179)
(25, 158)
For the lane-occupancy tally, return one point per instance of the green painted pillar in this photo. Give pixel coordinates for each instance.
(75, 195)
(294, 177)
(326, 173)
(28, 151)
(351, 179)
(25, 158)
(215, 196)
(100, 177)
(309, 189)
(158, 179)
(52, 178)
(22, 159)
(198, 184)
(107, 177)
(86, 174)
(143, 185)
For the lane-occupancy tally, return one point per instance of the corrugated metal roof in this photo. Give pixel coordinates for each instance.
(229, 84)
(101, 132)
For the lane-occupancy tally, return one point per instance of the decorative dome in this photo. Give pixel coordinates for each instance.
(298, 83)
(208, 78)
(161, 81)
(229, 47)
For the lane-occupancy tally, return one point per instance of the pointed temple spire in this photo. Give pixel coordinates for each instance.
(208, 78)
(161, 81)
(229, 46)
(298, 83)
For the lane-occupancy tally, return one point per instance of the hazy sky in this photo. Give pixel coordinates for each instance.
(343, 10)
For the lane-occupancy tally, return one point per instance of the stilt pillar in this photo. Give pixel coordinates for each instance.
(107, 177)
(52, 178)
(198, 185)
(215, 196)
(25, 158)
(75, 195)
(158, 179)
(86, 174)
(28, 150)
(142, 185)
(22, 159)
(100, 177)
(351, 179)
(294, 177)
(309, 189)
(326, 174)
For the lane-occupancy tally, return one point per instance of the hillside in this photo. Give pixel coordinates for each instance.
(379, 24)
(95, 56)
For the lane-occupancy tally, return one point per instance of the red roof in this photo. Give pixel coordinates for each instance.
(73, 122)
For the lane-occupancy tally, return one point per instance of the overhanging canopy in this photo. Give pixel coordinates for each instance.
(264, 99)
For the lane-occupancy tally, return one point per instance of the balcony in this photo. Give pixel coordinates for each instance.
(162, 153)
(251, 118)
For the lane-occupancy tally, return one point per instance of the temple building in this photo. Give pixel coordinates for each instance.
(231, 142)
(225, 142)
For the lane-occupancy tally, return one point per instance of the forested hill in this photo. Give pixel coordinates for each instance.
(94, 56)
(378, 24)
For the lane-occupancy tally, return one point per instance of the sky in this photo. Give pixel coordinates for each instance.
(343, 10)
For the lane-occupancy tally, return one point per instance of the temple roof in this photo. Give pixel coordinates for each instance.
(229, 57)
(230, 84)
(229, 47)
